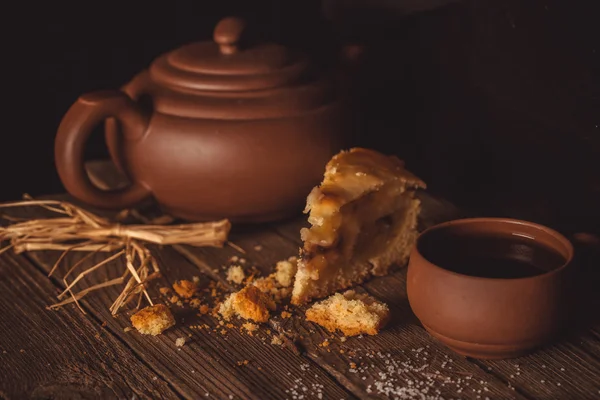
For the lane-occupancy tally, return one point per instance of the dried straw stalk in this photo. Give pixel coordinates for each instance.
(75, 229)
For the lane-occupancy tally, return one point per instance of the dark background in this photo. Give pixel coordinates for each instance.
(494, 103)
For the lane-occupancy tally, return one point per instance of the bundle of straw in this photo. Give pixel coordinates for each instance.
(75, 229)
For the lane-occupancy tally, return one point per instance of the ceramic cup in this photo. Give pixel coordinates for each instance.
(491, 288)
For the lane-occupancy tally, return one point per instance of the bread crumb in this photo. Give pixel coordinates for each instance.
(233, 259)
(249, 303)
(258, 247)
(179, 342)
(174, 299)
(343, 339)
(285, 314)
(350, 312)
(196, 279)
(285, 271)
(185, 288)
(250, 327)
(153, 320)
(325, 343)
(164, 290)
(127, 329)
(236, 274)
(240, 363)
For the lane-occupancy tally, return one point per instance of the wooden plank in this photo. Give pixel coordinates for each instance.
(63, 354)
(211, 363)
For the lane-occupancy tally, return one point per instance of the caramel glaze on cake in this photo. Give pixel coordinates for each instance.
(363, 220)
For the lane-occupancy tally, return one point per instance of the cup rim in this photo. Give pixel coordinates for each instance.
(461, 221)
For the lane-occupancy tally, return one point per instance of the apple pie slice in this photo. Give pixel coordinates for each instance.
(363, 220)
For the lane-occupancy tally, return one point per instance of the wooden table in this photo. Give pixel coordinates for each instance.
(66, 354)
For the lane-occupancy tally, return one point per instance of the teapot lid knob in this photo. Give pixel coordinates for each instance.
(227, 34)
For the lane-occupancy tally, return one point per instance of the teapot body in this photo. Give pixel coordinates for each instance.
(246, 170)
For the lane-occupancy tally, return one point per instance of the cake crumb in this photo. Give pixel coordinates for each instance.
(153, 320)
(185, 288)
(250, 328)
(269, 285)
(164, 290)
(258, 247)
(236, 274)
(195, 303)
(350, 312)
(127, 329)
(325, 343)
(343, 339)
(241, 363)
(249, 303)
(276, 341)
(179, 342)
(285, 314)
(204, 309)
(174, 299)
(196, 279)
(285, 271)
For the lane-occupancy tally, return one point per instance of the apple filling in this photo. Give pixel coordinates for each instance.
(363, 221)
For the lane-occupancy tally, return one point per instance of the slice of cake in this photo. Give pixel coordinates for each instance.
(363, 220)
(351, 312)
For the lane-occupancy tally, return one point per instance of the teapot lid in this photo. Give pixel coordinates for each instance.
(225, 65)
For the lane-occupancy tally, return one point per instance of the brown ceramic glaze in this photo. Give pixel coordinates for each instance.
(483, 317)
(211, 130)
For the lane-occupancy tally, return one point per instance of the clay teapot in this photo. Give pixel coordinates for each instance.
(232, 132)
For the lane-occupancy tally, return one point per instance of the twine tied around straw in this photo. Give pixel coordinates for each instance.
(75, 229)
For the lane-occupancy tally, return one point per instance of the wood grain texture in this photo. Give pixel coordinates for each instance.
(211, 363)
(46, 354)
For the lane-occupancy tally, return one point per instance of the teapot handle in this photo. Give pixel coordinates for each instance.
(135, 89)
(74, 130)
